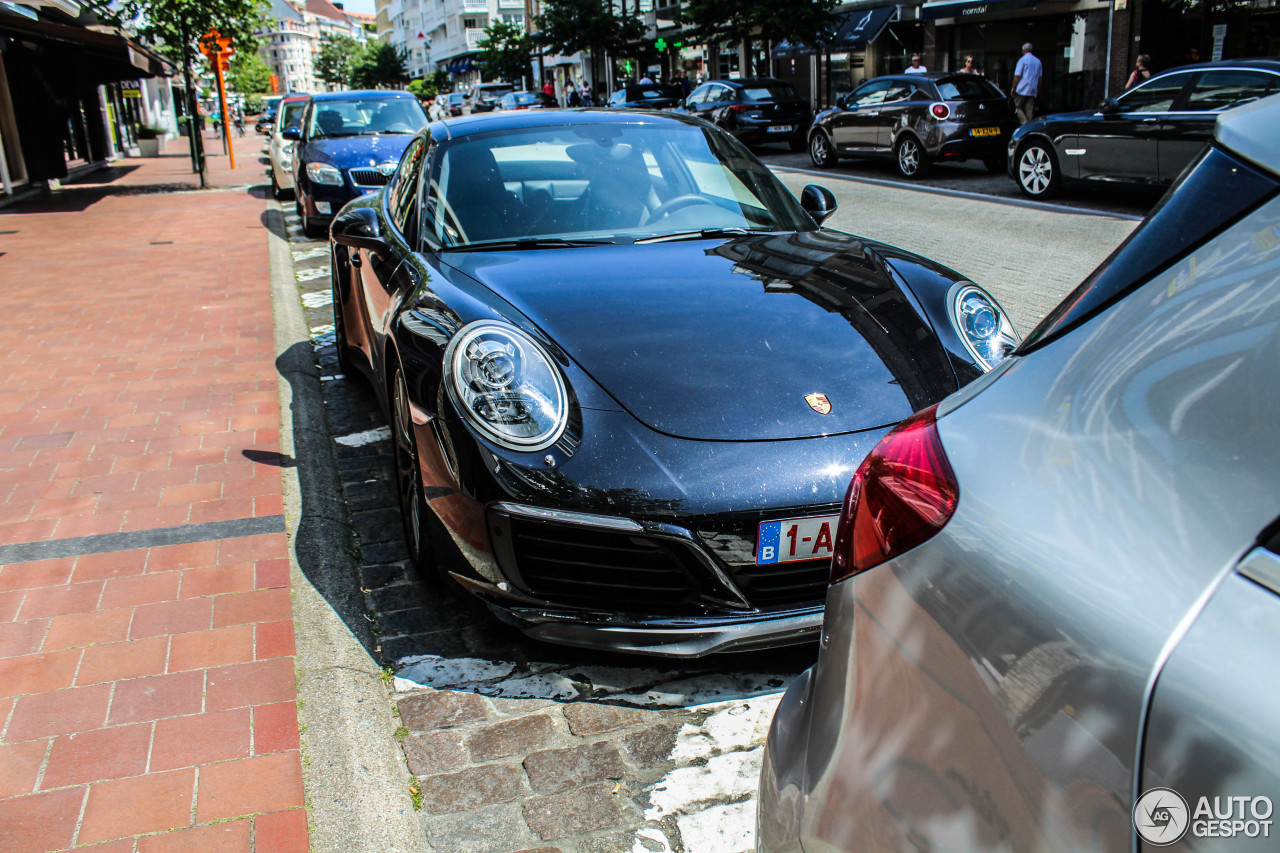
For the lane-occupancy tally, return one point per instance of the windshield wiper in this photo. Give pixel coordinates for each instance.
(706, 233)
(530, 243)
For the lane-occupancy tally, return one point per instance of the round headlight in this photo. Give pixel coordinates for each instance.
(506, 386)
(983, 326)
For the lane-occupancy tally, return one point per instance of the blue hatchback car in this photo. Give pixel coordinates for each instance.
(348, 144)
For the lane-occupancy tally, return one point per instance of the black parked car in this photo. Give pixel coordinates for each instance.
(1147, 135)
(347, 144)
(643, 96)
(628, 374)
(917, 119)
(755, 110)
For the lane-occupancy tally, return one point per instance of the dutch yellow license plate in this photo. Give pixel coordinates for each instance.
(984, 131)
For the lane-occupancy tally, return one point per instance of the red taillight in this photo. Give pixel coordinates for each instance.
(739, 108)
(901, 495)
(940, 110)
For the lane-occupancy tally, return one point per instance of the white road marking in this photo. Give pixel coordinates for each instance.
(319, 299)
(360, 439)
(311, 274)
(306, 254)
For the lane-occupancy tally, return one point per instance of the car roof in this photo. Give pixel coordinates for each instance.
(484, 122)
(360, 93)
(749, 81)
(1262, 63)
(1250, 131)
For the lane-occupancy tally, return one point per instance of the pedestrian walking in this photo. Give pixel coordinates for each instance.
(1026, 84)
(437, 112)
(586, 94)
(549, 88)
(571, 96)
(1141, 72)
(682, 80)
(969, 67)
(915, 67)
(239, 121)
(646, 80)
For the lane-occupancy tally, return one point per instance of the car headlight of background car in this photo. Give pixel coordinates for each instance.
(323, 173)
(982, 324)
(506, 386)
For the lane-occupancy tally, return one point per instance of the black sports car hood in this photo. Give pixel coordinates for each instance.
(732, 340)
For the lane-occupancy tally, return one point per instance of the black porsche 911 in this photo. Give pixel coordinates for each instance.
(628, 373)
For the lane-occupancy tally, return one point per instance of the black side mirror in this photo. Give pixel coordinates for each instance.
(1109, 107)
(293, 132)
(359, 229)
(818, 202)
(689, 105)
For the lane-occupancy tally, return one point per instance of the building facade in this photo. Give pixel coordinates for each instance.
(297, 32)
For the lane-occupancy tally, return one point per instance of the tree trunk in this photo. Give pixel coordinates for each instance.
(193, 112)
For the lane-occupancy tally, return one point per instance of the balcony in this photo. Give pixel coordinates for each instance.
(478, 7)
(474, 35)
(511, 4)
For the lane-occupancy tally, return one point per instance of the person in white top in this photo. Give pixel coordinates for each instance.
(1026, 84)
(915, 67)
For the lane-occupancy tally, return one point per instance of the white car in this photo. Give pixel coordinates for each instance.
(289, 113)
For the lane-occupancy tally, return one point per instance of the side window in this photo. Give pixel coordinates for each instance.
(699, 95)
(869, 95)
(719, 94)
(402, 195)
(618, 96)
(1154, 96)
(899, 92)
(1227, 88)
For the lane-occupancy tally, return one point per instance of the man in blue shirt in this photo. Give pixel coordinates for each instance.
(1026, 84)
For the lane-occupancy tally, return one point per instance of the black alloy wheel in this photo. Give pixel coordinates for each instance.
(1038, 174)
(339, 322)
(910, 158)
(821, 151)
(413, 505)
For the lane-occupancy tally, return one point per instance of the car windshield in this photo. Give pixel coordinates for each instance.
(970, 87)
(618, 182)
(456, 99)
(642, 93)
(521, 98)
(365, 116)
(770, 92)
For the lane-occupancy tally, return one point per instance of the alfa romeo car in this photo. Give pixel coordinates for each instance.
(628, 373)
(917, 119)
(345, 145)
(1054, 613)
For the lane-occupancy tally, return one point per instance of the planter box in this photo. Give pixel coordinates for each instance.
(150, 147)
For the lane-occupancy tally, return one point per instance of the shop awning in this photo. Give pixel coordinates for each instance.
(96, 56)
(462, 65)
(854, 31)
(969, 8)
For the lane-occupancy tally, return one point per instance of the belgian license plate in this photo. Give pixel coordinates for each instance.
(782, 128)
(984, 131)
(793, 539)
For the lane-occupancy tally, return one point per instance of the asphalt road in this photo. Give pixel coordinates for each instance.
(971, 177)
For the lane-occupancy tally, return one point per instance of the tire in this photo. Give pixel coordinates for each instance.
(1037, 171)
(276, 192)
(339, 322)
(995, 163)
(909, 157)
(821, 151)
(413, 505)
(797, 143)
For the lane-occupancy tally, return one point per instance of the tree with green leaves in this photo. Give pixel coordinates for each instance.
(570, 26)
(379, 66)
(426, 88)
(506, 51)
(249, 74)
(175, 27)
(798, 21)
(333, 62)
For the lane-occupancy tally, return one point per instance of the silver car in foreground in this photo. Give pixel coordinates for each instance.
(1054, 622)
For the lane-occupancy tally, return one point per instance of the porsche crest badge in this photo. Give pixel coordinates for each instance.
(818, 402)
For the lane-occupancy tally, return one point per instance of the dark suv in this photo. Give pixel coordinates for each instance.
(1148, 135)
(917, 119)
(755, 110)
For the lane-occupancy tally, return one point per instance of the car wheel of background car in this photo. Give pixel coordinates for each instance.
(413, 507)
(275, 187)
(994, 163)
(339, 323)
(1038, 170)
(820, 150)
(910, 157)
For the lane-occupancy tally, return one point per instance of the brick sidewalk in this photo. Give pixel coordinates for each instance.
(147, 692)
